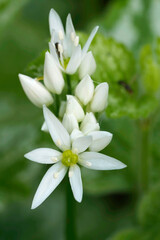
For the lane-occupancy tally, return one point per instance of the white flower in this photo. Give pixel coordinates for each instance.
(70, 122)
(100, 97)
(84, 90)
(71, 155)
(65, 47)
(35, 91)
(87, 66)
(73, 107)
(53, 78)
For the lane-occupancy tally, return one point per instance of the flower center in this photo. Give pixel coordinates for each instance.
(69, 158)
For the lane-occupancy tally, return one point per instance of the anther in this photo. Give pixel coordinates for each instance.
(60, 48)
(73, 36)
(88, 164)
(70, 174)
(59, 143)
(55, 175)
(60, 35)
(54, 159)
(76, 41)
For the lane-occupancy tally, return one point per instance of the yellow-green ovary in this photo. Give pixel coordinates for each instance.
(69, 158)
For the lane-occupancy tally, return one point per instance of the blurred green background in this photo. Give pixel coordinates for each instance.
(117, 205)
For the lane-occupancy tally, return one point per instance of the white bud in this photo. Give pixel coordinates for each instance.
(85, 89)
(76, 41)
(88, 119)
(62, 109)
(88, 65)
(35, 91)
(100, 97)
(70, 122)
(74, 107)
(89, 124)
(76, 134)
(44, 127)
(61, 35)
(53, 78)
(73, 35)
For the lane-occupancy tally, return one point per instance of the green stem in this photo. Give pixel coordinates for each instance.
(70, 214)
(144, 164)
(69, 84)
(57, 104)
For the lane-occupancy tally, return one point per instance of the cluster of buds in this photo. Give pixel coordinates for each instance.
(74, 129)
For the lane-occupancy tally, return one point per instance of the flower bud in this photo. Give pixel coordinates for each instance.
(53, 78)
(74, 107)
(88, 65)
(89, 124)
(35, 91)
(76, 134)
(62, 109)
(84, 90)
(100, 97)
(70, 122)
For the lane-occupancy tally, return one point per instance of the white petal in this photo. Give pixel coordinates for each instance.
(84, 90)
(87, 44)
(35, 91)
(100, 98)
(44, 127)
(44, 155)
(100, 139)
(69, 26)
(54, 54)
(74, 61)
(87, 66)
(81, 144)
(76, 134)
(70, 122)
(55, 22)
(62, 109)
(73, 107)
(98, 161)
(76, 182)
(57, 131)
(53, 78)
(50, 181)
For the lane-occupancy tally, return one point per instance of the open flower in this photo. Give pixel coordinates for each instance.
(71, 154)
(65, 47)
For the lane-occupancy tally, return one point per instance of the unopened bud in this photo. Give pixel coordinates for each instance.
(88, 65)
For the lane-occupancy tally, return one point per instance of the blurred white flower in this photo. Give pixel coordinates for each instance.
(65, 47)
(35, 91)
(100, 98)
(84, 90)
(71, 154)
(87, 66)
(70, 122)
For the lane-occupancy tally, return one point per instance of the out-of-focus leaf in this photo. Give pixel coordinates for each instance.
(129, 234)
(8, 9)
(150, 68)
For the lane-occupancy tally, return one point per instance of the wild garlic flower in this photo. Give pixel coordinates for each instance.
(35, 91)
(71, 155)
(64, 46)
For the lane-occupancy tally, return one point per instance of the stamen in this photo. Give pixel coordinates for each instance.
(76, 41)
(73, 36)
(60, 35)
(70, 174)
(55, 175)
(60, 48)
(88, 164)
(39, 78)
(75, 150)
